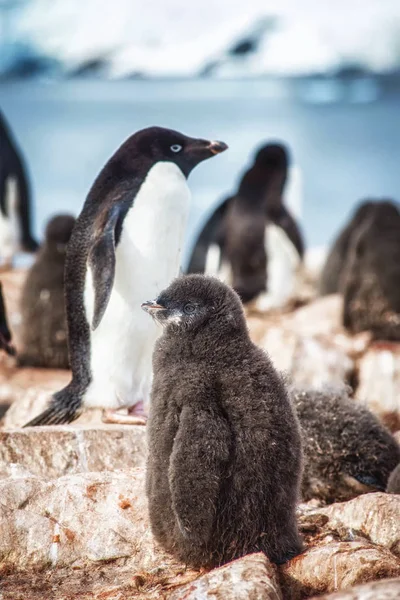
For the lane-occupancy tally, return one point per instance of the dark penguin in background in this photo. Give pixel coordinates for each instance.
(335, 262)
(225, 459)
(370, 282)
(5, 334)
(127, 242)
(44, 323)
(347, 451)
(393, 486)
(252, 240)
(15, 199)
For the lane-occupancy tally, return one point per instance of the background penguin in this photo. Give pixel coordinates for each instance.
(336, 259)
(225, 460)
(126, 242)
(251, 229)
(347, 451)
(393, 486)
(268, 158)
(370, 282)
(5, 334)
(15, 199)
(44, 324)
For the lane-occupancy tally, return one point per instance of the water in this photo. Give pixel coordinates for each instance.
(346, 150)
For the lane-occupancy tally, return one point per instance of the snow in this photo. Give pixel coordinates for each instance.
(178, 38)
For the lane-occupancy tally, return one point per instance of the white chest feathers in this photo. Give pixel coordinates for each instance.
(148, 256)
(10, 230)
(283, 268)
(283, 271)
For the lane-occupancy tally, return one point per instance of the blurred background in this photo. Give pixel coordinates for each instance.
(78, 77)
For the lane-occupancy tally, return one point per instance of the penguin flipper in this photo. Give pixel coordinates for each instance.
(65, 407)
(197, 465)
(102, 262)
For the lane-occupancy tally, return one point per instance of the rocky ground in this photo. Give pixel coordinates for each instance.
(73, 515)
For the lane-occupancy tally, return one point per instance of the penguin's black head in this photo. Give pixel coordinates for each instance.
(158, 144)
(272, 156)
(59, 229)
(195, 301)
(385, 214)
(363, 210)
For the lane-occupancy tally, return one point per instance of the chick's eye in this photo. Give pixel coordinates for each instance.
(189, 309)
(176, 148)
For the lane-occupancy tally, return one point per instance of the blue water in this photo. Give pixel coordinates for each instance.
(346, 150)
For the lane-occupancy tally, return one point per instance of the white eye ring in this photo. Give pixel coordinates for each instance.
(176, 148)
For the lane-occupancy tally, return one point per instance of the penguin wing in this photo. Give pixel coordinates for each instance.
(197, 466)
(102, 261)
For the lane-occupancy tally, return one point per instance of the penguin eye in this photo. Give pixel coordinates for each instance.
(189, 309)
(176, 148)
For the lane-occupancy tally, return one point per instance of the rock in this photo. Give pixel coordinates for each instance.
(308, 361)
(332, 566)
(309, 344)
(251, 577)
(379, 382)
(388, 589)
(75, 520)
(78, 450)
(320, 317)
(375, 516)
(28, 391)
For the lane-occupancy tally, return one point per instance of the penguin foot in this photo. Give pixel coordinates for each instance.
(135, 416)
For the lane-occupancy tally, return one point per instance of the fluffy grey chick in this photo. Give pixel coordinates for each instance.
(371, 277)
(347, 451)
(225, 457)
(338, 254)
(44, 325)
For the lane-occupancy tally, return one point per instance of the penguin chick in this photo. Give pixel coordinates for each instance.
(5, 334)
(393, 486)
(347, 451)
(44, 326)
(336, 259)
(225, 458)
(370, 282)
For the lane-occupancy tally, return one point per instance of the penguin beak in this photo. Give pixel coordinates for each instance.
(151, 306)
(217, 147)
(198, 150)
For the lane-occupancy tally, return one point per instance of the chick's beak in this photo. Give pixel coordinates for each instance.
(217, 147)
(150, 306)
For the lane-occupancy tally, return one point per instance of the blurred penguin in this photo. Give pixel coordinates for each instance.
(347, 451)
(5, 333)
(370, 282)
(393, 486)
(334, 264)
(44, 327)
(15, 200)
(252, 241)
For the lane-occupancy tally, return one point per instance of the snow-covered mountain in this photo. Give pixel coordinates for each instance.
(221, 38)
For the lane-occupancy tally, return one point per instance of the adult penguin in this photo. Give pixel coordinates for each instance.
(15, 199)
(126, 245)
